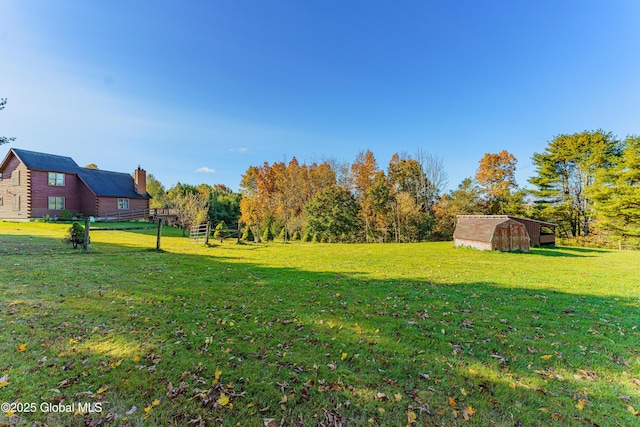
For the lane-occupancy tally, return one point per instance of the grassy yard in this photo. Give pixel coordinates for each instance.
(305, 334)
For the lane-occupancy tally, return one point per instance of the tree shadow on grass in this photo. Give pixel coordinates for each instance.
(300, 344)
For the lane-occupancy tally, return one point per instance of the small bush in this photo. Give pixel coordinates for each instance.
(306, 237)
(296, 236)
(267, 236)
(284, 235)
(65, 215)
(75, 235)
(220, 232)
(247, 235)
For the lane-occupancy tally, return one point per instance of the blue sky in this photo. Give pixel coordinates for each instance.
(197, 91)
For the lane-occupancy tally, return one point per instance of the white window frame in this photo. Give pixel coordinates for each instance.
(123, 204)
(56, 179)
(58, 203)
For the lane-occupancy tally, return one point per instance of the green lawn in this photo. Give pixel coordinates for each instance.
(314, 334)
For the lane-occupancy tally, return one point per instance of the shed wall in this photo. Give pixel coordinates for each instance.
(482, 246)
(510, 236)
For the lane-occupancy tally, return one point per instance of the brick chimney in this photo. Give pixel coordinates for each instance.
(140, 180)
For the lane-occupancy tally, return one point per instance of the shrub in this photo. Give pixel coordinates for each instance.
(75, 235)
(296, 235)
(267, 236)
(65, 215)
(306, 237)
(284, 235)
(247, 235)
(221, 231)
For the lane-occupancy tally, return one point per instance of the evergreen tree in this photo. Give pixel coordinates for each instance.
(566, 170)
(221, 231)
(267, 235)
(247, 235)
(616, 192)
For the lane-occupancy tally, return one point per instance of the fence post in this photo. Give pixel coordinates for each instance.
(159, 234)
(206, 238)
(87, 224)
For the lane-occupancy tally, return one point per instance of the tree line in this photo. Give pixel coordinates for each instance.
(585, 182)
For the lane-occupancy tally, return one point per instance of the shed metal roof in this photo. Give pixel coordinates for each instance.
(548, 224)
(478, 228)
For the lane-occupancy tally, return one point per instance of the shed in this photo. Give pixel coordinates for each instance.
(541, 233)
(491, 232)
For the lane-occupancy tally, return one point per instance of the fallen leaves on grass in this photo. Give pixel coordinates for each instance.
(223, 400)
(468, 412)
(411, 417)
(22, 348)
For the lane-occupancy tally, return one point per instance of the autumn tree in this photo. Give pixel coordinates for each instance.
(250, 204)
(616, 192)
(379, 201)
(190, 205)
(275, 195)
(362, 178)
(4, 139)
(434, 178)
(496, 178)
(465, 200)
(412, 198)
(565, 173)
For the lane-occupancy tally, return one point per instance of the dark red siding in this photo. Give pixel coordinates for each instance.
(88, 201)
(110, 204)
(41, 190)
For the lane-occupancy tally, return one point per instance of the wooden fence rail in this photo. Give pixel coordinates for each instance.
(129, 215)
(87, 231)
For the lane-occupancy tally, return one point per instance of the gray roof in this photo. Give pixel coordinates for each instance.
(46, 162)
(478, 228)
(100, 182)
(109, 184)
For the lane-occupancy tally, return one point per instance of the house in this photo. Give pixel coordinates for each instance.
(33, 185)
(502, 232)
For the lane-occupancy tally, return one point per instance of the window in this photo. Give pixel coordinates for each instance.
(16, 202)
(0, 200)
(56, 179)
(15, 177)
(123, 204)
(56, 203)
